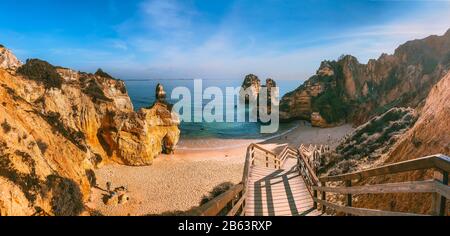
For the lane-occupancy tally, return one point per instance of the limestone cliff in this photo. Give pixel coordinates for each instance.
(58, 124)
(8, 60)
(252, 81)
(348, 91)
(430, 135)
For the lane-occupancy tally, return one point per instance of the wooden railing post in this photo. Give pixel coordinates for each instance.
(267, 160)
(253, 155)
(439, 202)
(324, 197)
(348, 197)
(315, 197)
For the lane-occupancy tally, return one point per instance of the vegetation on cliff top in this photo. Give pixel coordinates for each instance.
(368, 142)
(42, 72)
(94, 91)
(103, 74)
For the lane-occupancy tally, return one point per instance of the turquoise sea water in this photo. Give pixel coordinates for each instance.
(142, 94)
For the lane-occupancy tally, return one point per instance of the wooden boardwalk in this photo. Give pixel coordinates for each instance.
(278, 192)
(286, 184)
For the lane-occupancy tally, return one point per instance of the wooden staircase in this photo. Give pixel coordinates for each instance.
(279, 192)
(286, 185)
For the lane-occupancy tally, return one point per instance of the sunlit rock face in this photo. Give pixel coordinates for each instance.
(430, 135)
(8, 61)
(57, 125)
(255, 85)
(348, 91)
(137, 139)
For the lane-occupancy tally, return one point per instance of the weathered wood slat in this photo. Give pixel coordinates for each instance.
(239, 205)
(405, 187)
(309, 168)
(363, 211)
(411, 165)
(443, 190)
(215, 206)
(442, 162)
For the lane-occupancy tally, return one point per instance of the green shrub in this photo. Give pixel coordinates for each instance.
(28, 183)
(41, 71)
(446, 60)
(94, 91)
(429, 65)
(76, 137)
(67, 199)
(103, 74)
(218, 190)
(6, 127)
(331, 106)
(42, 146)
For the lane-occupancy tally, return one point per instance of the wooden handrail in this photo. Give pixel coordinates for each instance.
(439, 187)
(362, 211)
(309, 168)
(427, 186)
(235, 198)
(216, 206)
(435, 161)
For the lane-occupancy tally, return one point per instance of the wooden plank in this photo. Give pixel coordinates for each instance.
(309, 168)
(442, 162)
(297, 196)
(348, 197)
(363, 211)
(280, 198)
(277, 191)
(405, 187)
(439, 201)
(324, 198)
(417, 164)
(213, 207)
(239, 205)
(443, 190)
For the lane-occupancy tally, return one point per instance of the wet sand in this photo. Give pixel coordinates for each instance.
(178, 182)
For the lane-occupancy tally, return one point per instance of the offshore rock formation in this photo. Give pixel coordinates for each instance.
(252, 81)
(57, 125)
(348, 91)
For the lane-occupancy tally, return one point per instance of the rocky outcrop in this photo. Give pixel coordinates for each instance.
(144, 134)
(254, 83)
(348, 91)
(369, 142)
(430, 135)
(8, 61)
(58, 124)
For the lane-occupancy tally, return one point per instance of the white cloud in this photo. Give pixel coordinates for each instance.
(183, 48)
(167, 14)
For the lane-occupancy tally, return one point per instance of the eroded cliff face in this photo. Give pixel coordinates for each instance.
(430, 135)
(8, 60)
(348, 91)
(58, 124)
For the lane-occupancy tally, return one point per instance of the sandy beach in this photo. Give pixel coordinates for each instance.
(178, 182)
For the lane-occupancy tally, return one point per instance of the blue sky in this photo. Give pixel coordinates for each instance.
(215, 39)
